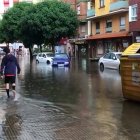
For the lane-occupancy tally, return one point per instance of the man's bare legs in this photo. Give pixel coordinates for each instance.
(13, 89)
(7, 89)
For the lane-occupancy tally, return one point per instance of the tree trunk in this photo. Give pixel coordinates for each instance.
(31, 53)
(40, 48)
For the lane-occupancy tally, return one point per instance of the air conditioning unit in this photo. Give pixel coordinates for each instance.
(86, 36)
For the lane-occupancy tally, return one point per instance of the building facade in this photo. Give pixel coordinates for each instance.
(80, 42)
(108, 26)
(6, 4)
(134, 19)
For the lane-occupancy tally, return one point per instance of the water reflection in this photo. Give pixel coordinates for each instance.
(80, 102)
(130, 119)
(13, 122)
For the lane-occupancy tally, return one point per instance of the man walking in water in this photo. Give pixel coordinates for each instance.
(9, 67)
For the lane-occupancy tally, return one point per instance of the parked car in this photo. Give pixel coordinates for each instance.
(45, 57)
(61, 59)
(110, 60)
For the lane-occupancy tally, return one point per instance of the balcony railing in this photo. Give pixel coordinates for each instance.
(108, 29)
(97, 31)
(122, 27)
(90, 12)
(118, 5)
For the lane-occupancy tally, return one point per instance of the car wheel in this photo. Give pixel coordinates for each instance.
(48, 62)
(101, 66)
(37, 61)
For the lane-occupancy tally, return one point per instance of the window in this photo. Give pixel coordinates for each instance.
(102, 3)
(83, 29)
(40, 55)
(112, 56)
(133, 12)
(78, 10)
(109, 26)
(122, 23)
(97, 27)
(43, 55)
(107, 56)
(108, 23)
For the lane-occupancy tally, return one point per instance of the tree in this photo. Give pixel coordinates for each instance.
(47, 22)
(43, 23)
(9, 26)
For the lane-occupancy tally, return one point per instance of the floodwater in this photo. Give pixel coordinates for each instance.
(76, 103)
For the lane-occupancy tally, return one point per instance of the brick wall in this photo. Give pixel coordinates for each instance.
(135, 25)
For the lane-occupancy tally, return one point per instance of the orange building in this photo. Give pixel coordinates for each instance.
(108, 26)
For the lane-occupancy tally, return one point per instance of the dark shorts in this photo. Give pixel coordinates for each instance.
(10, 79)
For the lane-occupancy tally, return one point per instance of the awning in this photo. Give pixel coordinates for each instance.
(109, 35)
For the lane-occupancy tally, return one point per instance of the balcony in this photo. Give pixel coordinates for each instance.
(122, 27)
(97, 31)
(118, 5)
(108, 29)
(90, 12)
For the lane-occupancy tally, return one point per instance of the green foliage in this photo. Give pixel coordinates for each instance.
(9, 31)
(36, 50)
(47, 22)
(44, 49)
(43, 23)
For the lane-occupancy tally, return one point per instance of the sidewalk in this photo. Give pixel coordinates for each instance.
(27, 119)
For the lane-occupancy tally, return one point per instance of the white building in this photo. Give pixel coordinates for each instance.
(5, 4)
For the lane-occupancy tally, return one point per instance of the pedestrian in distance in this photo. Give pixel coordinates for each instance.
(69, 52)
(9, 68)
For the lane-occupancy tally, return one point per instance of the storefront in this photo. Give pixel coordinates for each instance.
(81, 48)
(103, 43)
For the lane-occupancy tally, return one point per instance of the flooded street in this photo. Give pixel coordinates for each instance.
(76, 103)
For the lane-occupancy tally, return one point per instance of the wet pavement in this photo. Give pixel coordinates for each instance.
(76, 103)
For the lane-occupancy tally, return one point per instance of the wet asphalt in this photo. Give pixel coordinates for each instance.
(76, 103)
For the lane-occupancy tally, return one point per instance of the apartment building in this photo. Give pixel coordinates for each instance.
(80, 44)
(134, 19)
(108, 26)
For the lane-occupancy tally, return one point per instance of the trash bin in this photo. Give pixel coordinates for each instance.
(130, 72)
